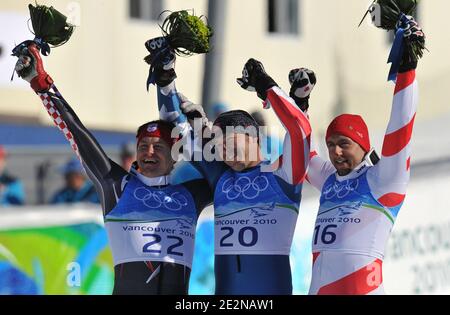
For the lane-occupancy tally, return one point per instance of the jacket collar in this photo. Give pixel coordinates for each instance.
(356, 172)
(151, 181)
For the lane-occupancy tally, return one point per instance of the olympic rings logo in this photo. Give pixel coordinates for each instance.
(158, 199)
(249, 189)
(340, 190)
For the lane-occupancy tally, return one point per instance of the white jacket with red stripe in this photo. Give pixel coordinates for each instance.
(357, 211)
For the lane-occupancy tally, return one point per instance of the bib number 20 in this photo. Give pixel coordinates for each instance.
(247, 236)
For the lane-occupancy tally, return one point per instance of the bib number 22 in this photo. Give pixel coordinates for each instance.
(157, 239)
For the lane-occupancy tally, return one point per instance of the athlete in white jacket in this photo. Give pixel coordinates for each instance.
(361, 194)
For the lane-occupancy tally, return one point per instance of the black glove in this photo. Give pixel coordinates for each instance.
(413, 34)
(164, 77)
(255, 78)
(302, 82)
(161, 60)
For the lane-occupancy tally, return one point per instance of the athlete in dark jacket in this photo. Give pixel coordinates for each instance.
(150, 221)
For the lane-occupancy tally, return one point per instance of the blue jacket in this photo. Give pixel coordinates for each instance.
(12, 192)
(68, 195)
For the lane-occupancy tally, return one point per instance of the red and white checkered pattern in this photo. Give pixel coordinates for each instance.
(57, 119)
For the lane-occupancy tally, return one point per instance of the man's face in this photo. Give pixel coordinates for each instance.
(75, 180)
(2, 164)
(345, 154)
(239, 151)
(154, 157)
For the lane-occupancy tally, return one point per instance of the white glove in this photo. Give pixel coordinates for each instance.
(302, 82)
(193, 111)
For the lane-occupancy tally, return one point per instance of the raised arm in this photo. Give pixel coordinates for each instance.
(97, 164)
(94, 159)
(302, 81)
(389, 178)
(172, 107)
(293, 163)
(169, 102)
(162, 73)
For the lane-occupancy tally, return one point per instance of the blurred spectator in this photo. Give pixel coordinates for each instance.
(127, 155)
(77, 188)
(11, 189)
(271, 145)
(217, 109)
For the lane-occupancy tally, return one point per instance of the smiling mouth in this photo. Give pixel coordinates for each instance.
(340, 162)
(150, 161)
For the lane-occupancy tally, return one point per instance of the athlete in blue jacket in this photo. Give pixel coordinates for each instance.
(256, 204)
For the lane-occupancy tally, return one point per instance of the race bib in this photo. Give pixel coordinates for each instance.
(255, 231)
(350, 219)
(253, 215)
(169, 241)
(152, 224)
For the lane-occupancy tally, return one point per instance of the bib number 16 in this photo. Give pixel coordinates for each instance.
(327, 236)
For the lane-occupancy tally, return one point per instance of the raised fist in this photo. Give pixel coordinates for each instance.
(255, 78)
(30, 67)
(302, 83)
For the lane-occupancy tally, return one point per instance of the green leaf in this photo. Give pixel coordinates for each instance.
(50, 25)
(407, 6)
(392, 9)
(186, 33)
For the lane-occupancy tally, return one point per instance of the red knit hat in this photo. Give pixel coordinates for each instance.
(352, 126)
(159, 129)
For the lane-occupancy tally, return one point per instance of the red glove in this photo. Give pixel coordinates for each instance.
(31, 68)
